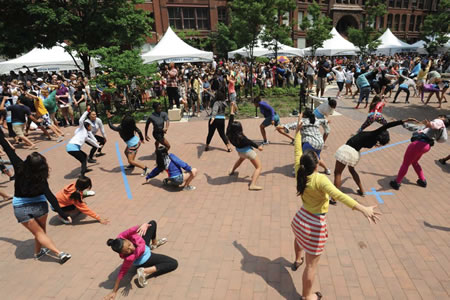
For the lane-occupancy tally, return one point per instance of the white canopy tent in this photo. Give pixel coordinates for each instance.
(421, 46)
(390, 44)
(43, 59)
(173, 49)
(334, 46)
(260, 50)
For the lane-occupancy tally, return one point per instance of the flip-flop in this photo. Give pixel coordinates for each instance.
(297, 264)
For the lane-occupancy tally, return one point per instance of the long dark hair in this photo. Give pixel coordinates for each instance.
(161, 154)
(308, 163)
(235, 133)
(128, 124)
(374, 102)
(308, 114)
(81, 184)
(35, 171)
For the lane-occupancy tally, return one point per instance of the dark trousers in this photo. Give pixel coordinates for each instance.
(101, 141)
(163, 263)
(218, 124)
(172, 92)
(11, 132)
(406, 90)
(82, 158)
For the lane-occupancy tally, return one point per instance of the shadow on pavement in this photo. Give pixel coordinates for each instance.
(125, 282)
(261, 265)
(225, 179)
(159, 184)
(436, 227)
(284, 170)
(445, 168)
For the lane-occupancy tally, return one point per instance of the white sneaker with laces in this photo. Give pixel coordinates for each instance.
(141, 277)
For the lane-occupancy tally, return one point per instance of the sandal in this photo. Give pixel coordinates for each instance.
(360, 192)
(297, 264)
(319, 295)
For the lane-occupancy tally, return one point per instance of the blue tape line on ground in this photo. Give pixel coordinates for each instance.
(384, 147)
(124, 176)
(377, 194)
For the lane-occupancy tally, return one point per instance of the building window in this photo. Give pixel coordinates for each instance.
(414, 4)
(300, 19)
(381, 24)
(389, 21)
(222, 14)
(418, 23)
(428, 4)
(420, 4)
(405, 3)
(391, 3)
(301, 43)
(403, 23)
(396, 22)
(189, 18)
(412, 20)
(398, 3)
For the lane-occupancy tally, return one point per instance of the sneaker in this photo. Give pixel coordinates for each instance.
(100, 154)
(88, 193)
(141, 277)
(63, 257)
(395, 185)
(166, 181)
(42, 252)
(60, 139)
(422, 183)
(63, 220)
(91, 161)
(189, 188)
(145, 171)
(88, 170)
(286, 129)
(265, 142)
(333, 202)
(159, 243)
(328, 171)
(442, 161)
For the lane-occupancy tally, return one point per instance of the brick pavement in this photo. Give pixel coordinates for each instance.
(236, 244)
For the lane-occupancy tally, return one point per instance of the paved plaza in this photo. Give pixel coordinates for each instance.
(235, 244)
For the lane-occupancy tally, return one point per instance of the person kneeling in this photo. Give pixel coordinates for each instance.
(134, 247)
(173, 165)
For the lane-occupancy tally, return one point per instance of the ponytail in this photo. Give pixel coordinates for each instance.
(115, 244)
(309, 114)
(82, 183)
(308, 163)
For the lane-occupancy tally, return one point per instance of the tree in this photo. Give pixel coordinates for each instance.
(194, 39)
(275, 29)
(436, 27)
(222, 40)
(85, 25)
(120, 69)
(366, 38)
(317, 27)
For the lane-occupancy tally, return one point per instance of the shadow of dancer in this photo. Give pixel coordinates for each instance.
(266, 269)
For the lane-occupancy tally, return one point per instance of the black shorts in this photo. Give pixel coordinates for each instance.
(158, 136)
(27, 212)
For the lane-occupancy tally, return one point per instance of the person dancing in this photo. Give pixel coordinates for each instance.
(90, 116)
(375, 115)
(310, 222)
(31, 193)
(160, 121)
(217, 121)
(135, 246)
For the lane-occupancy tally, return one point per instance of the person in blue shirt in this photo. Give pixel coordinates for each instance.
(174, 167)
(270, 118)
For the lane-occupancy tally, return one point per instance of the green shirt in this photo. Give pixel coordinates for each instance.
(50, 103)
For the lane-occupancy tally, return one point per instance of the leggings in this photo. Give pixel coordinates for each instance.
(82, 158)
(218, 124)
(163, 263)
(174, 99)
(412, 156)
(406, 90)
(340, 85)
(101, 141)
(373, 117)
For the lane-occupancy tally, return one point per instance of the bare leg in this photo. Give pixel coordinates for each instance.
(308, 276)
(322, 164)
(40, 235)
(257, 164)
(190, 177)
(281, 131)
(356, 179)
(263, 132)
(131, 161)
(338, 169)
(236, 165)
(298, 252)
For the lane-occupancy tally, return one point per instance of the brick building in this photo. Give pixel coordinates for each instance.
(404, 18)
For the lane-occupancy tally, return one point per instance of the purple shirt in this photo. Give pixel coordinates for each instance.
(62, 91)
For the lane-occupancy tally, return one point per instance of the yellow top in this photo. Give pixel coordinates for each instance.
(316, 195)
(297, 152)
(40, 108)
(423, 73)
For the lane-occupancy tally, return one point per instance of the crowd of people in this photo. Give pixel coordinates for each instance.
(48, 103)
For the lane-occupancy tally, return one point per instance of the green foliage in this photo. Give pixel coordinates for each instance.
(436, 27)
(223, 40)
(84, 24)
(317, 29)
(195, 39)
(262, 59)
(366, 37)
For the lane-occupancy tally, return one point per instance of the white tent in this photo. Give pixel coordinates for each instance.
(53, 59)
(260, 50)
(421, 46)
(172, 49)
(390, 44)
(334, 46)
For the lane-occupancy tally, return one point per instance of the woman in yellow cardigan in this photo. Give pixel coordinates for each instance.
(309, 224)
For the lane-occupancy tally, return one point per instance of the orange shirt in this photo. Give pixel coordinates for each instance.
(64, 200)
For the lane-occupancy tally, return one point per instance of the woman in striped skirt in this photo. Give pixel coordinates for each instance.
(310, 222)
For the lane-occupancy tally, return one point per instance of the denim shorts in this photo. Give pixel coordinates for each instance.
(268, 121)
(27, 212)
(176, 181)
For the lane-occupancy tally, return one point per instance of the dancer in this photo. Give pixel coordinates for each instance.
(174, 167)
(70, 199)
(421, 142)
(375, 113)
(134, 246)
(348, 154)
(444, 160)
(90, 116)
(323, 111)
(126, 130)
(244, 147)
(363, 85)
(160, 121)
(270, 118)
(310, 222)
(82, 134)
(311, 137)
(349, 75)
(31, 193)
(217, 121)
(340, 79)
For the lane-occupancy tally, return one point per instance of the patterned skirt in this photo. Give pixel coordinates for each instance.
(347, 155)
(310, 231)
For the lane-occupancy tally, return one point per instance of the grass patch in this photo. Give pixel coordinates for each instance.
(283, 105)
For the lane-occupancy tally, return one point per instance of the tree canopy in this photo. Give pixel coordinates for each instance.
(436, 27)
(317, 27)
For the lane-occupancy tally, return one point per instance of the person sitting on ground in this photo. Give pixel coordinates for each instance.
(70, 199)
(135, 247)
(174, 167)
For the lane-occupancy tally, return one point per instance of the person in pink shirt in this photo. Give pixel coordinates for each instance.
(135, 247)
(375, 114)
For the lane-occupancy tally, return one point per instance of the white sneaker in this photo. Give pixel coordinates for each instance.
(328, 171)
(141, 277)
(88, 193)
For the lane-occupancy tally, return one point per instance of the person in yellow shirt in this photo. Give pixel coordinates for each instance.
(310, 224)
